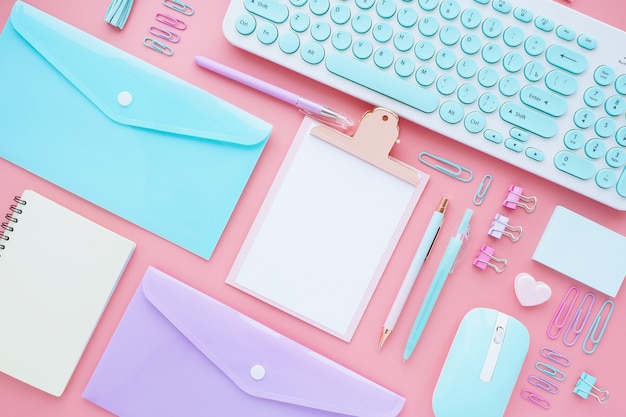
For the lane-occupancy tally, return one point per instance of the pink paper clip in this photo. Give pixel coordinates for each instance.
(554, 356)
(484, 257)
(514, 198)
(164, 34)
(543, 383)
(579, 320)
(558, 320)
(535, 398)
(171, 21)
(500, 227)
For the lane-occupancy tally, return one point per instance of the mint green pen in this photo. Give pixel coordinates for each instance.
(448, 261)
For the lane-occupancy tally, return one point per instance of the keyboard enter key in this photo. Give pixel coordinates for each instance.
(543, 100)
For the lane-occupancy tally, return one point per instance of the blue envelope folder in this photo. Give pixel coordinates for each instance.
(121, 133)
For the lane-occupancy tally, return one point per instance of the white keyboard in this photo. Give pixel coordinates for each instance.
(530, 82)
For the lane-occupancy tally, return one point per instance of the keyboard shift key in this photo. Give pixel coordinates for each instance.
(272, 10)
(410, 94)
(531, 120)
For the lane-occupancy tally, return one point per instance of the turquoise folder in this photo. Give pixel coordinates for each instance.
(121, 133)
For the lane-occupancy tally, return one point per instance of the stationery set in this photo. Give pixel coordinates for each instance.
(316, 249)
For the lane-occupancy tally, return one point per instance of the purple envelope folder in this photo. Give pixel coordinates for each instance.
(179, 353)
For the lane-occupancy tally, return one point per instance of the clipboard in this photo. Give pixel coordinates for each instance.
(330, 223)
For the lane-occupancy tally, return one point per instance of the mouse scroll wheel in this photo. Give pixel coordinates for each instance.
(498, 335)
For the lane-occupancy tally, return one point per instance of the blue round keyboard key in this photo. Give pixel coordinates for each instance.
(386, 9)
(362, 23)
(616, 157)
(471, 18)
(425, 76)
(451, 112)
(299, 22)
(535, 45)
(470, 44)
(475, 122)
(383, 58)
(604, 75)
(488, 77)
(446, 85)
(615, 105)
(509, 86)
(534, 71)
(584, 118)
(488, 102)
(267, 33)
(320, 31)
(424, 50)
(289, 42)
(620, 136)
(468, 94)
(606, 178)
(403, 41)
(605, 127)
(595, 148)
(449, 9)
(513, 36)
(445, 59)
(492, 27)
(245, 24)
(428, 5)
(312, 52)
(340, 14)
(594, 97)
(382, 32)
(362, 49)
(407, 17)
(319, 7)
(574, 139)
(449, 35)
(428, 26)
(404, 67)
(466, 68)
(513, 62)
(341, 40)
(492, 52)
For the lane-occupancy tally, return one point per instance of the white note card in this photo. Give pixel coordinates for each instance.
(583, 250)
(324, 234)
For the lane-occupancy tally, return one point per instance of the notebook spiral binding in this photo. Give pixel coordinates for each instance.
(11, 217)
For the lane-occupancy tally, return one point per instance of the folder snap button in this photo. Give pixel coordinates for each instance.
(124, 98)
(257, 372)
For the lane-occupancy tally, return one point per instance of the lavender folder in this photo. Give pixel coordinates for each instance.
(179, 352)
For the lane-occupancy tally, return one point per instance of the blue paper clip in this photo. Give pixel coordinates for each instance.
(550, 371)
(450, 168)
(592, 334)
(179, 6)
(543, 383)
(576, 325)
(479, 196)
(558, 320)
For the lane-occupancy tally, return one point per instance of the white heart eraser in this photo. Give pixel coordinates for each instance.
(530, 292)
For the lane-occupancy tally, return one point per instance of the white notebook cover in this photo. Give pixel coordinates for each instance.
(57, 272)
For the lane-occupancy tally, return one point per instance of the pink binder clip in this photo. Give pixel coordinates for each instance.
(515, 198)
(500, 227)
(484, 258)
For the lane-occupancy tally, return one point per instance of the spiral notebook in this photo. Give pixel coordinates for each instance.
(330, 223)
(57, 272)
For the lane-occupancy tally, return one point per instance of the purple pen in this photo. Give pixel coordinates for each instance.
(318, 111)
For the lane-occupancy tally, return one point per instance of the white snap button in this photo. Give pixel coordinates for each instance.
(124, 98)
(257, 372)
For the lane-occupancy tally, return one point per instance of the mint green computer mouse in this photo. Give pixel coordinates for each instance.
(482, 366)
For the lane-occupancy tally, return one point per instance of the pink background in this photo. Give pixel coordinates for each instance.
(466, 288)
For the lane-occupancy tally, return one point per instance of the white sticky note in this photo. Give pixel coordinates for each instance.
(583, 250)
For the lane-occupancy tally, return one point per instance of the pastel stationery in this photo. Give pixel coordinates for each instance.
(330, 223)
(583, 250)
(146, 146)
(57, 272)
(179, 352)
